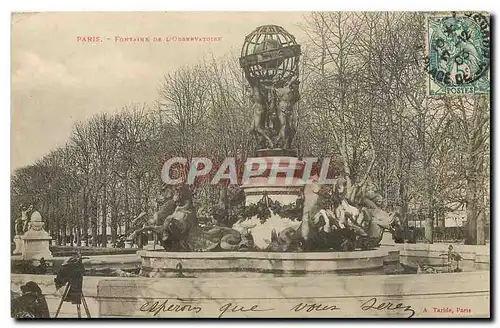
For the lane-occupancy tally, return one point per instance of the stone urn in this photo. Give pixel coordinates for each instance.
(36, 240)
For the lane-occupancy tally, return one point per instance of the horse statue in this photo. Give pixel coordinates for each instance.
(327, 220)
(334, 217)
(376, 222)
(180, 231)
(373, 219)
(175, 211)
(334, 220)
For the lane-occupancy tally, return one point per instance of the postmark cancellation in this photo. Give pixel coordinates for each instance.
(458, 53)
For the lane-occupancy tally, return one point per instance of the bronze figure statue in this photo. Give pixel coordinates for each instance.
(286, 97)
(270, 60)
(260, 123)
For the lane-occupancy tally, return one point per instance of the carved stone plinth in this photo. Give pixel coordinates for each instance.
(19, 245)
(283, 190)
(36, 240)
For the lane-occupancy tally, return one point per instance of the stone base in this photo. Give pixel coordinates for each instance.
(255, 264)
(36, 245)
(19, 245)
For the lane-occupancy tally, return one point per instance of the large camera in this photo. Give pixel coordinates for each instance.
(71, 275)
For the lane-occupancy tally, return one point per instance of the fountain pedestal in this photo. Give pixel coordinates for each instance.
(282, 188)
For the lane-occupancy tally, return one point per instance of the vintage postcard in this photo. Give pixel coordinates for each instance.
(250, 165)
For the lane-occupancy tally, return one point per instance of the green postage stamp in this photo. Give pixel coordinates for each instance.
(458, 50)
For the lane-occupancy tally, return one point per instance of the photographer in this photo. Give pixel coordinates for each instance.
(71, 274)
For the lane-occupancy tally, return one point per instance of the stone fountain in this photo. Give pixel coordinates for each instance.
(293, 224)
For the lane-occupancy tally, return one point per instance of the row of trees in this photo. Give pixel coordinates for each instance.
(363, 101)
(427, 156)
(109, 171)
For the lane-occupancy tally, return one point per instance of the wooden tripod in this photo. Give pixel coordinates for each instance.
(78, 310)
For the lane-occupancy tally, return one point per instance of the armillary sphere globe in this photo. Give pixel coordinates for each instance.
(270, 56)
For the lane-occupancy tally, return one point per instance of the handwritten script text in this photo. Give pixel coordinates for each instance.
(372, 304)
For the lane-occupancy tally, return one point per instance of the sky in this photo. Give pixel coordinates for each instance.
(56, 80)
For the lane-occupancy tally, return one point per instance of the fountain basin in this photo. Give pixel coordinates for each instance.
(160, 264)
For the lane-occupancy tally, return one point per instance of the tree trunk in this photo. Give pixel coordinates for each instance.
(85, 218)
(114, 223)
(483, 174)
(480, 225)
(93, 221)
(429, 229)
(78, 220)
(475, 177)
(471, 232)
(404, 206)
(63, 234)
(78, 235)
(71, 234)
(114, 214)
(429, 219)
(69, 220)
(473, 207)
(114, 233)
(56, 228)
(104, 210)
(128, 213)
